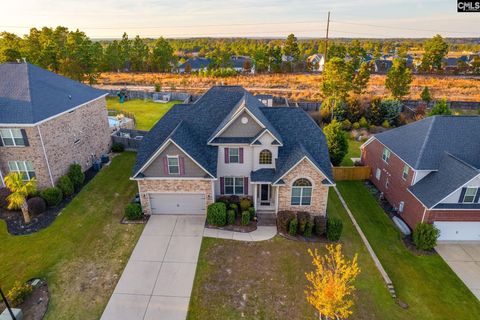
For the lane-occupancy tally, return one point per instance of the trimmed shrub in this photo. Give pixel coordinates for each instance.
(133, 211)
(234, 207)
(4, 193)
(217, 214)
(334, 229)
(18, 293)
(117, 147)
(293, 227)
(363, 123)
(53, 196)
(284, 218)
(234, 199)
(425, 236)
(76, 175)
(245, 218)
(223, 199)
(320, 223)
(230, 216)
(303, 217)
(252, 212)
(308, 229)
(245, 203)
(36, 205)
(66, 185)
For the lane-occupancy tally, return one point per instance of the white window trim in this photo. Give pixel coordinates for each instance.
(404, 177)
(386, 151)
(10, 130)
(301, 193)
(230, 155)
(178, 165)
(401, 206)
(260, 157)
(233, 186)
(474, 196)
(20, 171)
(378, 174)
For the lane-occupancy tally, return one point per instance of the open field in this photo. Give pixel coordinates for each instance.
(146, 113)
(265, 280)
(296, 86)
(83, 253)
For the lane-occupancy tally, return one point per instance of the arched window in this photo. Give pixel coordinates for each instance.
(265, 157)
(301, 192)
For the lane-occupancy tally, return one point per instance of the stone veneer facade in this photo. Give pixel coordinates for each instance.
(319, 191)
(89, 123)
(146, 186)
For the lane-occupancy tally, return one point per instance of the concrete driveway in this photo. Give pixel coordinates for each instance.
(464, 259)
(157, 281)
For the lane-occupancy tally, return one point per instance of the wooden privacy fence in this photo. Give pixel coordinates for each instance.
(351, 173)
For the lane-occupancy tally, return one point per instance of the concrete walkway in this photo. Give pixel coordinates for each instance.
(464, 259)
(157, 281)
(262, 233)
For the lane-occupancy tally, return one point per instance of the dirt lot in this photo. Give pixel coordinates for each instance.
(296, 86)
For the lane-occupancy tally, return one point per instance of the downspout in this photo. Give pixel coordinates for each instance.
(1, 177)
(424, 212)
(45, 155)
(276, 199)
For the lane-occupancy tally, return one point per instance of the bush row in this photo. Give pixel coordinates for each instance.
(226, 209)
(301, 223)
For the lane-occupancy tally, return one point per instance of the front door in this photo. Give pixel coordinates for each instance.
(265, 194)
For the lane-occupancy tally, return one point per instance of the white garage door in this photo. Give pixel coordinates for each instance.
(458, 231)
(177, 203)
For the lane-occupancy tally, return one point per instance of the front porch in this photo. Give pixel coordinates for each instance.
(265, 200)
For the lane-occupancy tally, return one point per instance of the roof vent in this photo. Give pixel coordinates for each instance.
(70, 96)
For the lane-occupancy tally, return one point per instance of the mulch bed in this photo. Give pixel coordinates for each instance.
(237, 226)
(14, 219)
(143, 220)
(36, 304)
(313, 238)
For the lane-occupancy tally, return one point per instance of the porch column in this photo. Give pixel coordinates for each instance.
(277, 189)
(255, 196)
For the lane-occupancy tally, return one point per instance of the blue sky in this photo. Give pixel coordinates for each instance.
(256, 18)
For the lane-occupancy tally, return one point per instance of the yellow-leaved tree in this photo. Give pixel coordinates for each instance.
(20, 190)
(331, 283)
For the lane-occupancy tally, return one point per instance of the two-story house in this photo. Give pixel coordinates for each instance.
(229, 143)
(430, 172)
(48, 122)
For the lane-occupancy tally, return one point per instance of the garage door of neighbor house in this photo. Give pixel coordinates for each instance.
(458, 231)
(177, 203)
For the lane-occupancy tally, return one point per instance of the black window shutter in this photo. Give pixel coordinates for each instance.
(1, 142)
(477, 196)
(462, 194)
(25, 139)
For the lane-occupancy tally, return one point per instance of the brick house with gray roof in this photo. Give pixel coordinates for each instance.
(48, 122)
(430, 172)
(229, 143)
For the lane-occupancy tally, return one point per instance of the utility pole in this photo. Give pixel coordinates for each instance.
(326, 37)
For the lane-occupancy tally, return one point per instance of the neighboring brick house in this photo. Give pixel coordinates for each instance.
(229, 143)
(429, 172)
(48, 122)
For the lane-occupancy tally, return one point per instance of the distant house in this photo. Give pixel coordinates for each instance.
(48, 122)
(382, 66)
(195, 64)
(316, 62)
(239, 62)
(286, 58)
(266, 99)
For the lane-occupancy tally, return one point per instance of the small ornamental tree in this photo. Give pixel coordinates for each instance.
(20, 190)
(441, 107)
(425, 95)
(331, 283)
(337, 142)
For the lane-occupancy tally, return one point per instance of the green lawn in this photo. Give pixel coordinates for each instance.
(353, 152)
(270, 275)
(83, 253)
(426, 283)
(147, 113)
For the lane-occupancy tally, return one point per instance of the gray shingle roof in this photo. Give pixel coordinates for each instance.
(262, 175)
(29, 94)
(196, 63)
(451, 175)
(195, 124)
(421, 144)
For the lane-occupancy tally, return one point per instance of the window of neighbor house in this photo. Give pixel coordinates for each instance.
(12, 137)
(173, 165)
(265, 157)
(378, 173)
(233, 185)
(470, 194)
(25, 168)
(400, 206)
(386, 155)
(233, 155)
(301, 192)
(406, 170)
